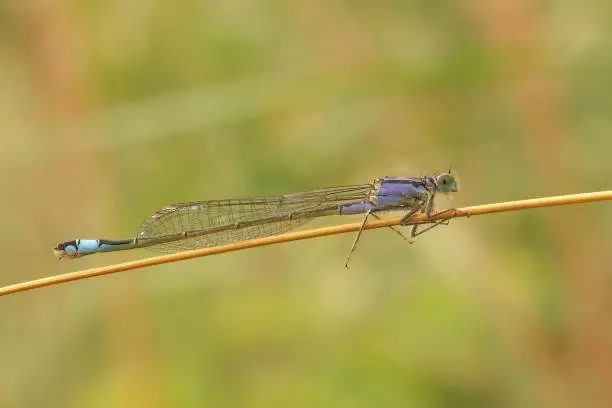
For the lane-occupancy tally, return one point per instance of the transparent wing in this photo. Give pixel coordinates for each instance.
(203, 215)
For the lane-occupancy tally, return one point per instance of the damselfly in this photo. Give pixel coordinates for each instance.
(201, 224)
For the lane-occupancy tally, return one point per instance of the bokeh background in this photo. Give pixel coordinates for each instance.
(112, 109)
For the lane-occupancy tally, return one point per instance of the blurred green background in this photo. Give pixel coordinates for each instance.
(112, 109)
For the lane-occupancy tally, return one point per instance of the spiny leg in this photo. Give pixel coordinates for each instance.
(365, 220)
(414, 231)
(426, 208)
(370, 212)
(414, 210)
(392, 228)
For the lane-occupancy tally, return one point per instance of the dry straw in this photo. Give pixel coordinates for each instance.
(295, 236)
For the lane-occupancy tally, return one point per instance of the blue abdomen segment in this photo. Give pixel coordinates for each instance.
(88, 246)
(106, 245)
(91, 246)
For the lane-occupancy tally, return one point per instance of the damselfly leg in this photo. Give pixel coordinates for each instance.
(414, 231)
(365, 219)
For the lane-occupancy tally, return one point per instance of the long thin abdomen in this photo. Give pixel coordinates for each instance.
(82, 247)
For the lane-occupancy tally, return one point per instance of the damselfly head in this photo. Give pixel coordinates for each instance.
(447, 182)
